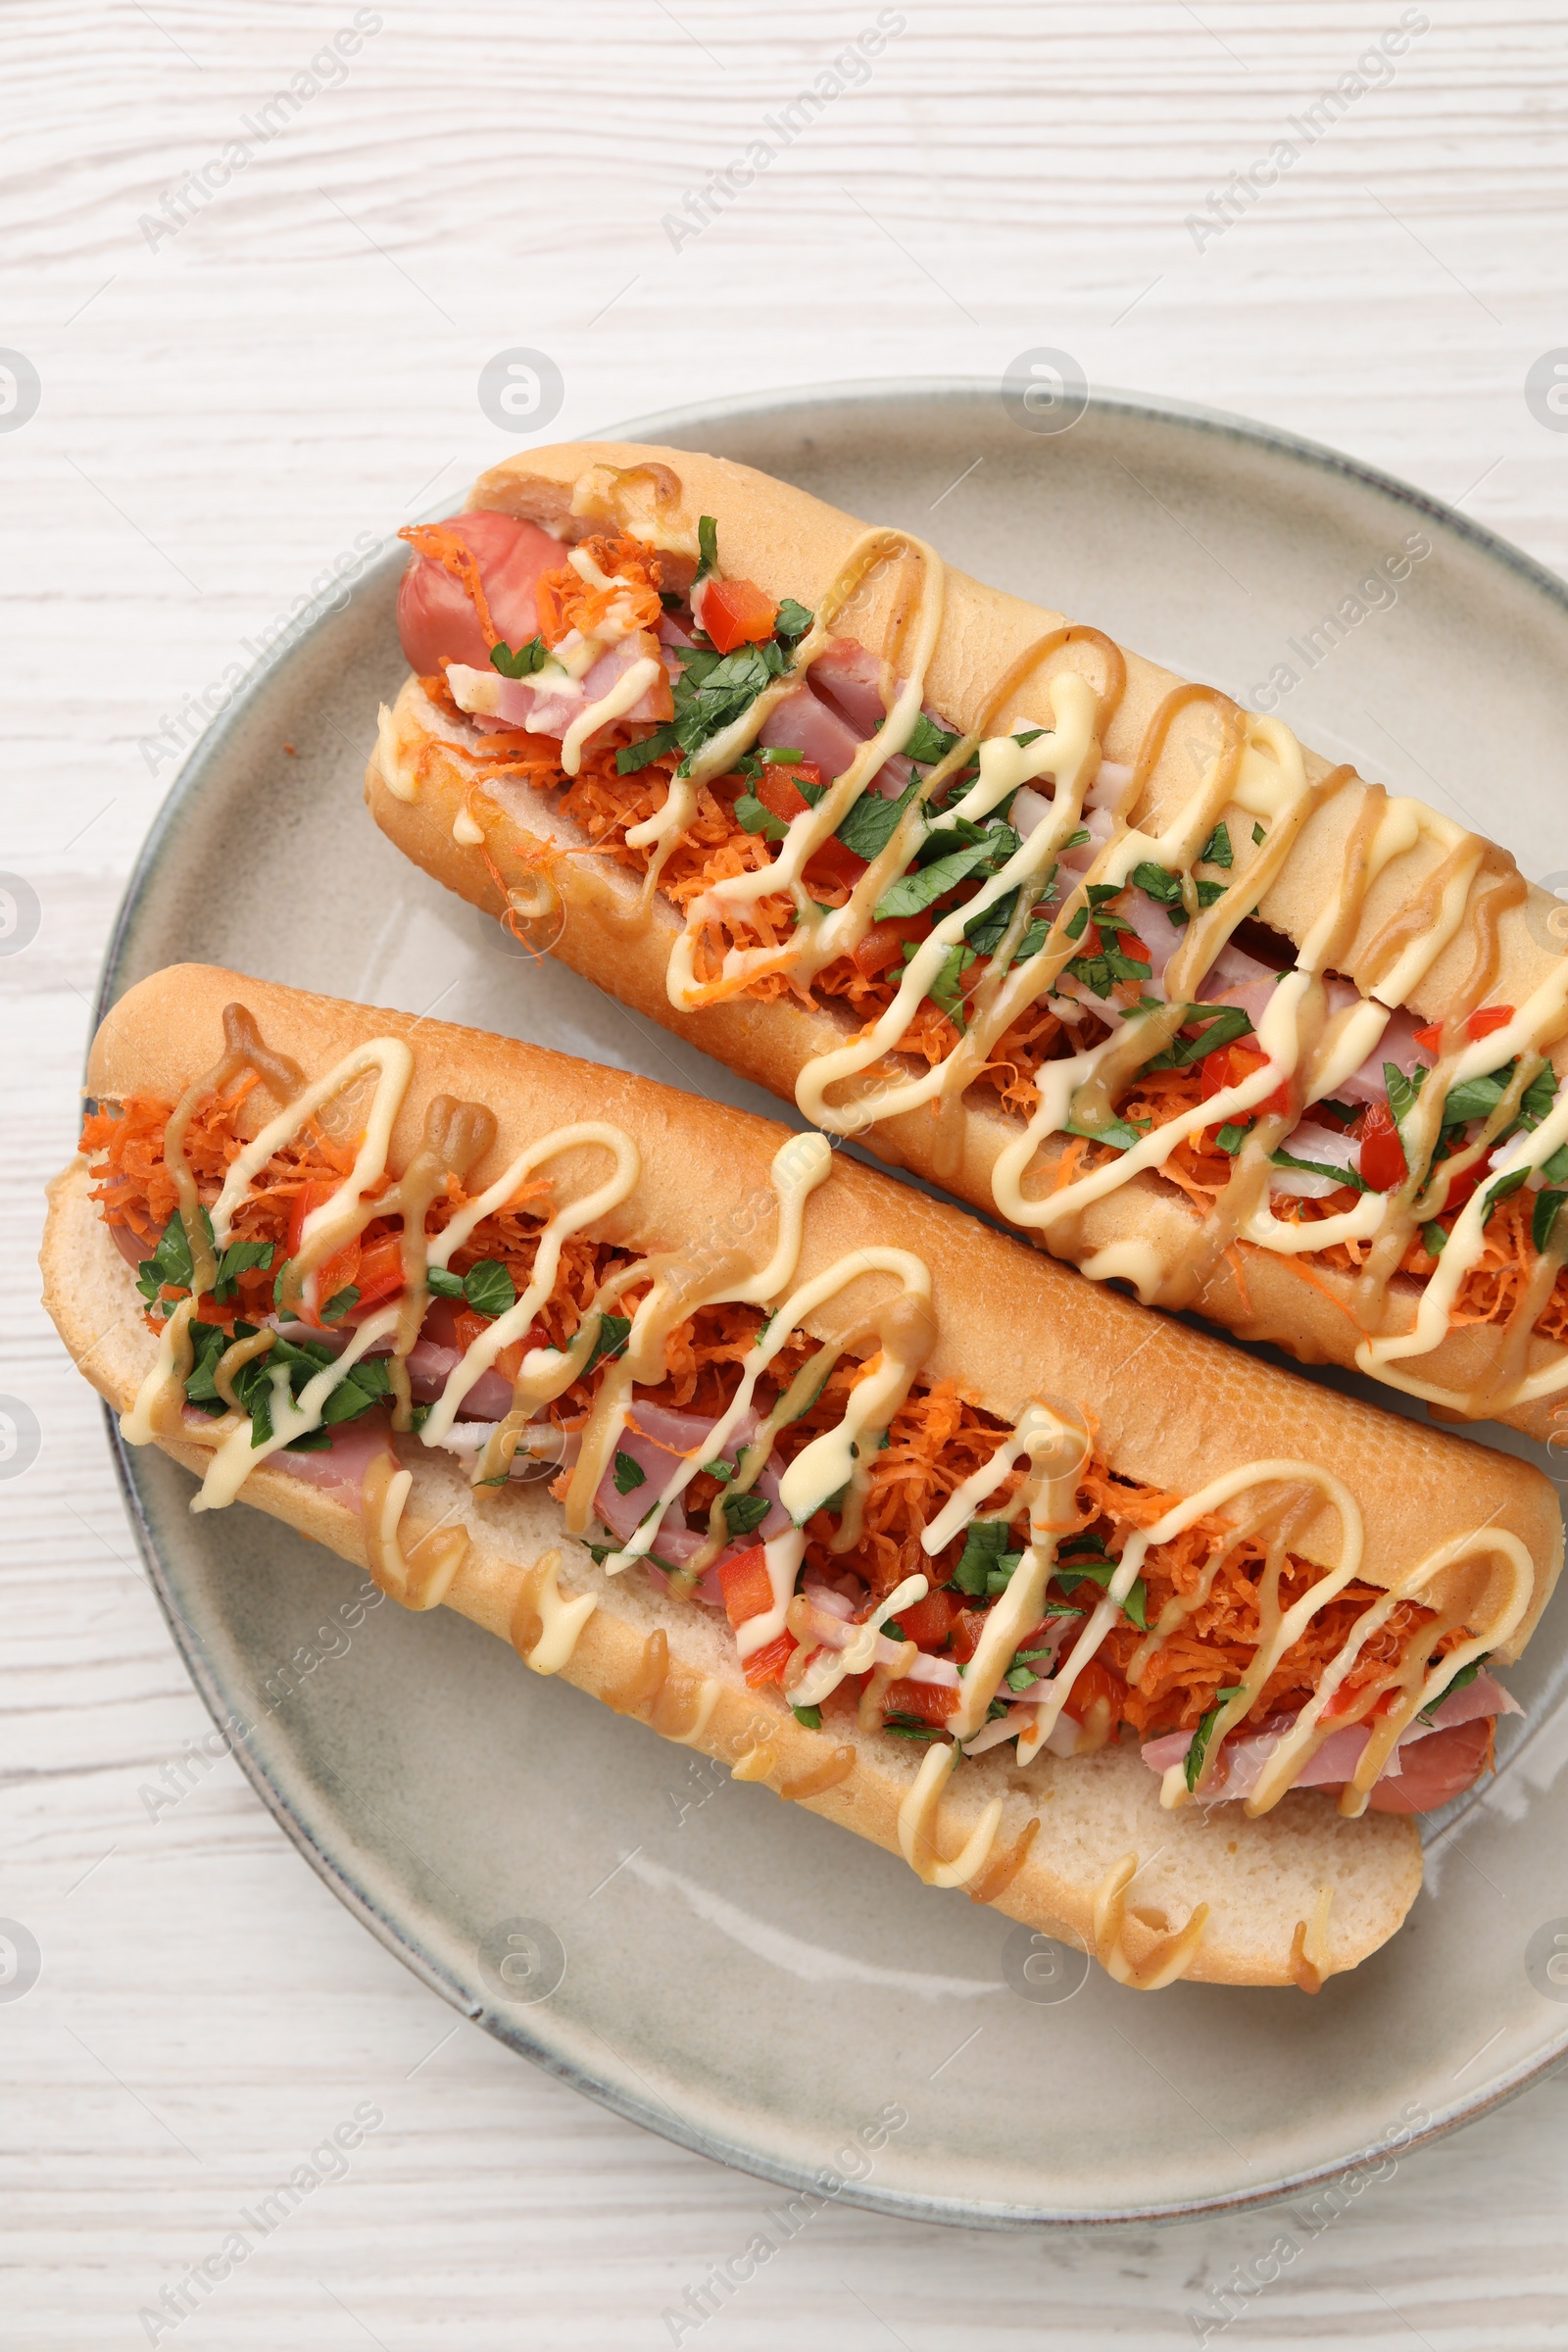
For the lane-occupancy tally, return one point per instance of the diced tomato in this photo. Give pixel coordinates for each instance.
(747, 1586)
(1095, 1682)
(779, 788)
(833, 864)
(1460, 1187)
(1381, 1158)
(734, 612)
(882, 948)
(339, 1271)
(306, 1199)
(929, 1622)
(1137, 950)
(927, 1702)
(967, 1628)
(466, 1327)
(1479, 1023)
(766, 1665)
(380, 1272)
(1228, 1066)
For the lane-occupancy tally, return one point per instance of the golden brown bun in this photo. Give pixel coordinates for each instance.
(793, 544)
(1259, 1878)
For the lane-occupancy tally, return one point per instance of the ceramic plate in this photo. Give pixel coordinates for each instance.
(727, 1970)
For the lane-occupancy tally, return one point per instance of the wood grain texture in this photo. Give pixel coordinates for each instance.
(221, 413)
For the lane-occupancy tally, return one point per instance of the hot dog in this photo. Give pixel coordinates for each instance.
(802, 1467)
(1091, 947)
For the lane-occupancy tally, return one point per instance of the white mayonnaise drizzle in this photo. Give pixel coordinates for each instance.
(628, 690)
(562, 1224)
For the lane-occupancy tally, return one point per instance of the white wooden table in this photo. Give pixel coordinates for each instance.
(225, 404)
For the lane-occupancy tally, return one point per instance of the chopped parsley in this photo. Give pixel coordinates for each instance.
(1070, 1574)
(520, 661)
(628, 1473)
(912, 893)
(743, 1513)
(1221, 1025)
(1157, 882)
(1477, 1098)
(713, 690)
(987, 1556)
(1322, 1167)
(928, 743)
(489, 1289)
(792, 621)
(707, 547)
(1544, 1217)
(1216, 850)
(170, 1263)
(1120, 1134)
(810, 1717)
(753, 818)
(1194, 1764)
(364, 1385)
(240, 1257)
(170, 1266)
(341, 1303)
(612, 1333)
(871, 822)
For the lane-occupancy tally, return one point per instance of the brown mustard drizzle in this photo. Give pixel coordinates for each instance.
(1172, 1954)
(1310, 1953)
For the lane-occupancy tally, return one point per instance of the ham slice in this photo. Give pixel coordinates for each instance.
(1396, 1045)
(803, 723)
(339, 1469)
(1242, 1761)
(837, 708)
(435, 615)
(656, 1439)
(549, 702)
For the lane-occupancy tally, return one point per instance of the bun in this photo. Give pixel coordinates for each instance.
(1258, 1878)
(775, 533)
